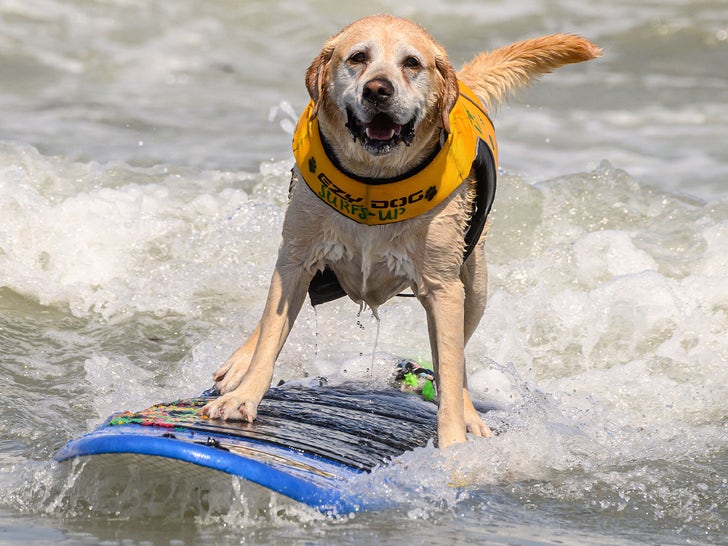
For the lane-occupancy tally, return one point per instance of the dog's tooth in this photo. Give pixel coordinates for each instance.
(379, 134)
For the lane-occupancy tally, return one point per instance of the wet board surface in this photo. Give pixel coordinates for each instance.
(307, 442)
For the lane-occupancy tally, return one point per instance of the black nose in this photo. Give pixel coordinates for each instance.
(378, 90)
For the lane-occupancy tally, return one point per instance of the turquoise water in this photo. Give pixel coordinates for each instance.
(144, 164)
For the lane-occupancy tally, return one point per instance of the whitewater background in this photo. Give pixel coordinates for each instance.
(144, 167)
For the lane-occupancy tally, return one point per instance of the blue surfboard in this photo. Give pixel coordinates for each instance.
(307, 443)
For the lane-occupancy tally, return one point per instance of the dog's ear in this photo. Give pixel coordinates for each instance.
(317, 75)
(449, 91)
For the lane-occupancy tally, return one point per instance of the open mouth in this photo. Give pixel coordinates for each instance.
(381, 135)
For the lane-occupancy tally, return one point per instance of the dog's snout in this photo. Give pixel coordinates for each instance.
(378, 90)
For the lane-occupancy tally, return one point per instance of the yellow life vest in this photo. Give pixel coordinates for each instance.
(383, 201)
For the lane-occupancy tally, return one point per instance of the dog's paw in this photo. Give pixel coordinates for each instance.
(231, 373)
(222, 371)
(232, 408)
(475, 426)
(228, 378)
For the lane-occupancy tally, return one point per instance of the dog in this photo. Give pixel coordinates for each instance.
(395, 174)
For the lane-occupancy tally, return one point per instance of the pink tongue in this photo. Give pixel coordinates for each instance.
(382, 128)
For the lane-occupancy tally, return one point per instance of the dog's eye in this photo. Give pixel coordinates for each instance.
(358, 58)
(412, 62)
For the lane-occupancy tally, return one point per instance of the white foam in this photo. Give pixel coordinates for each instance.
(113, 239)
(715, 260)
(603, 340)
(602, 255)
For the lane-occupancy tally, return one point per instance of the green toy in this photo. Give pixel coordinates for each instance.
(415, 377)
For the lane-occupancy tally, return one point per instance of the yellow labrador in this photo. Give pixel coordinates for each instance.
(396, 162)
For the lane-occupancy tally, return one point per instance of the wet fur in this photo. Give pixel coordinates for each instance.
(373, 263)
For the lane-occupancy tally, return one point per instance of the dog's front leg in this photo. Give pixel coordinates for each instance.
(231, 373)
(285, 297)
(444, 305)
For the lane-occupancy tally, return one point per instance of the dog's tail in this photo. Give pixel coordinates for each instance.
(495, 75)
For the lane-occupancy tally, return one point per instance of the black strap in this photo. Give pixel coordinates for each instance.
(325, 287)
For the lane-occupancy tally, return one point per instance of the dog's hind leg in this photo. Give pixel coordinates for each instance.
(474, 275)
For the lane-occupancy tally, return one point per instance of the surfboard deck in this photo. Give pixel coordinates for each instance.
(308, 442)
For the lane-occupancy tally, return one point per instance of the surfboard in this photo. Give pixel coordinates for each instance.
(307, 443)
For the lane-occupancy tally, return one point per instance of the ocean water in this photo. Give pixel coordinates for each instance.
(144, 165)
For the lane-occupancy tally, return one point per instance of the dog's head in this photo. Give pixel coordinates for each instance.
(383, 89)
